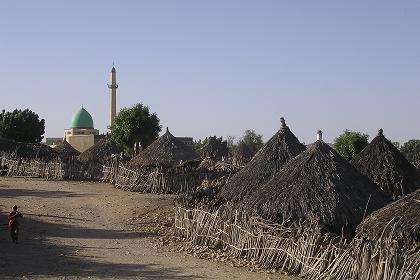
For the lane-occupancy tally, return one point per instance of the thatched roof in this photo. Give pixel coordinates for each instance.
(209, 164)
(383, 163)
(101, 151)
(65, 150)
(27, 150)
(400, 218)
(282, 147)
(166, 150)
(215, 148)
(317, 185)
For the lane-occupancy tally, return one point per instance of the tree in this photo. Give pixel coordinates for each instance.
(350, 143)
(231, 144)
(135, 127)
(22, 126)
(246, 147)
(411, 151)
(198, 144)
(252, 140)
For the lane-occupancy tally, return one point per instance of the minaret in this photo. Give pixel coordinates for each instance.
(112, 95)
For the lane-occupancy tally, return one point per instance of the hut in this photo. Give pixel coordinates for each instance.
(167, 150)
(215, 149)
(101, 151)
(384, 164)
(399, 220)
(27, 150)
(66, 151)
(90, 162)
(317, 186)
(282, 147)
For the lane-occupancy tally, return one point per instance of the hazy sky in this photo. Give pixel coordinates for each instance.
(218, 67)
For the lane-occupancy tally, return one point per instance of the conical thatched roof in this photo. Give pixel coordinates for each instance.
(317, 185)
(282, 147)
(66, 151)
(101, 151)
(400, 218)
(27, 150)
(166, 150)
(383, 163)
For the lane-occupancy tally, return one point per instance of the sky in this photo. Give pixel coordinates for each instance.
(218, 67)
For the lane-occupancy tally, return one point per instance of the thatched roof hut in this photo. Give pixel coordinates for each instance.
(317, 185)
(401, 219)
(384, 164)
(167, 150)
(282, 147)
(215, 149)
(66, 151)
(101, 151)
(27, 150)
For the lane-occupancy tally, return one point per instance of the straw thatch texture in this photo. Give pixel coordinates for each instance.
(402, 218)
(383, 163)
(209, 164)
(27, 150)
(66, 151)
(166, 150)
(215, 149)
(317, 185)
(101, 151)
(282, 147)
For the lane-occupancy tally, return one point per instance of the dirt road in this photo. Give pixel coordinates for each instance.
(75, 230)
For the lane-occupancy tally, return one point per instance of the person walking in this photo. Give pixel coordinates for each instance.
(14, 218)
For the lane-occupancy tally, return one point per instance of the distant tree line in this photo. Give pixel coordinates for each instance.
(137, 127)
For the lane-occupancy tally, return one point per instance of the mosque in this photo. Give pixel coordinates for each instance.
(82, 133)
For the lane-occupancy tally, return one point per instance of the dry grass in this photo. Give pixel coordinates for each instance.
(282, 147)
(317, 185)
(384, 164)
(167, 150)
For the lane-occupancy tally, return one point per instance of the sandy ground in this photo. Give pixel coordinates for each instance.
(79, 230)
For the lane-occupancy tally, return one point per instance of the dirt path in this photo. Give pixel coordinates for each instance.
(74, 230)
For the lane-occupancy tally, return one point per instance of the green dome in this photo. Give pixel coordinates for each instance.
(81, 119)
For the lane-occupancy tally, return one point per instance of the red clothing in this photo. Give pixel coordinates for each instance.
(14, 219)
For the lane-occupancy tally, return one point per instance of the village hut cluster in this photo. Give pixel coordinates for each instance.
(313, 189)
(345, 209)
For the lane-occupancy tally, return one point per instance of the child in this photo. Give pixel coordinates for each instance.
(14, 217)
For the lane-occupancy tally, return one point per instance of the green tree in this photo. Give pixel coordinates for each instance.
(22, 126)
(411, 150)
(135, 127)
(350, 143)
(231, 144)
(200, 143)
(252, 140)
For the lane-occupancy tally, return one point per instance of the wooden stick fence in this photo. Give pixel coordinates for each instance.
(33, 168)
(158, 180)
(303, 252)
(55, 170)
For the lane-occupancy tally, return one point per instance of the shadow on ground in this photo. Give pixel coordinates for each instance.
(14, 192)
(36, 257)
